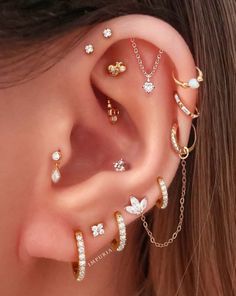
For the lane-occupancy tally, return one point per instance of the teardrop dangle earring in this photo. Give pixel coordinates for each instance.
(56, 175)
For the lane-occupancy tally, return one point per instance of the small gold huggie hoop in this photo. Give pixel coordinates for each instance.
(79, 266)
(163, 202)
(192, 83)
(119, 245)
(183, 151)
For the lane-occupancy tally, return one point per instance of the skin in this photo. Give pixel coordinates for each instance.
(60, 110)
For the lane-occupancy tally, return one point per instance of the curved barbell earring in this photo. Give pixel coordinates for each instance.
(183, 151)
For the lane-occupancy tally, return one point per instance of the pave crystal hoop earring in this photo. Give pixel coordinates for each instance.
(163, 202)
(56, 175)
(183, 151)
(119, 245)
(185, 109)
(192, 83)
(80, 266)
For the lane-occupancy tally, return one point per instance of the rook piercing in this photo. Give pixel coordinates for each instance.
(107, 33)
(120, 165)
(112, 112)
(80, 266)
(119, 245)
(192, 83)
(183, 151)
(137, 207)
(56, 175)
(162, 204)
(115, 70)
(89, 48)
(185, 109)
(98, 229)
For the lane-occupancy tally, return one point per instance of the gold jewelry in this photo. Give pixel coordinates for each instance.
(181, 215)
(115, 70)
(112, 112)
(119, 245)
(80, 266)
(148, 86)
(192, 83)
(183, 151)
(56, 175)
(185, 109)
(163, 202)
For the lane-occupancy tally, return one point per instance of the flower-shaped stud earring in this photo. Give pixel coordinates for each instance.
(97, 230)
(137, 207)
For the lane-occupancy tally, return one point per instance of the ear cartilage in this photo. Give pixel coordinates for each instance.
(117, 69)
(137, 207)
(113, 113)
(185, 109)
(193, 83)
(107, 33)
(79, 267)
(120, 165)
(163, 202)
(89, 49)
(119, 245)
(98, 229)
(56, 175)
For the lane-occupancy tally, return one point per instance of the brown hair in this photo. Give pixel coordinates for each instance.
(202, 261)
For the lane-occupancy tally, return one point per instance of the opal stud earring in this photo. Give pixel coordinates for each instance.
(117, 69)
(120, 165)
(56, 175)
(89, 49)
(98, 229)
(107, 33)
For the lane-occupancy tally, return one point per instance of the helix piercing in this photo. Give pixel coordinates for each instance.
(56, 175)
(119, 244)
(79, 266)
(107, 33)
(192, 83)
(89, 48)
(185, 109)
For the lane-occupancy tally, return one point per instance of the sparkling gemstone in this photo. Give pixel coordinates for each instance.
(120, 165)
(193, 83)
(56, 155)
(89, 49)
(107, 33)
(148, 87)
(56, 175)
(81, 249)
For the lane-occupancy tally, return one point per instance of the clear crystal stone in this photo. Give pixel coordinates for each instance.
(89, 49)
(56, 155)
(56, 175)
(148, 87)
(107, 33)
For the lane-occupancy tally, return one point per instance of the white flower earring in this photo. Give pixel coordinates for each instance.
(98, 229)
(137, 207)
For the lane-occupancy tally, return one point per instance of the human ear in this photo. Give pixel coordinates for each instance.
(90, 191)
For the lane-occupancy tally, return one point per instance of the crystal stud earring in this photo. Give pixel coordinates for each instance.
(107, 33)
(89, 48)
(120, 165)
(137, 207)
(56, 175)
(98, 229)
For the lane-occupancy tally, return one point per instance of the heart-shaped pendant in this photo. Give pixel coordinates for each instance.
(148, 87)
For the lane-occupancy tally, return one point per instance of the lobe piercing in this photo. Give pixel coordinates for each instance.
(120, 165)
(98, 229)
(56, 175)
(137, 207)
(192, 83)
(117, 69)
(162, 204)
(89, 48)
(107, 33)
(79, 266)
(119, 245)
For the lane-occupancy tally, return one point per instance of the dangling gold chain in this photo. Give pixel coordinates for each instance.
(181, 215)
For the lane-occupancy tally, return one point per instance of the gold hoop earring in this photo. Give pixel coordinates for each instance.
(185, 109)
(80, 266)
(192, 83)
(119, 245)
(163, 202)
(183, 151)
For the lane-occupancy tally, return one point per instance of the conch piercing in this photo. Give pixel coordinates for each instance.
(193, 82)
(80, 266)
(119, 245)
(137, 207)
(89, 49)
(115, 70)
(163, 202)
(56, 175)
(185, 109)
(98, 229)
(112, 112)
(107, 33)
(183, 151)
(120, 165)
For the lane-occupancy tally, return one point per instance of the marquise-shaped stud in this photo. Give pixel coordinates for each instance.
(56, 175)
(137, 207)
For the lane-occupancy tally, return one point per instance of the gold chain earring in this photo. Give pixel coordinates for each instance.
(113, 113)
